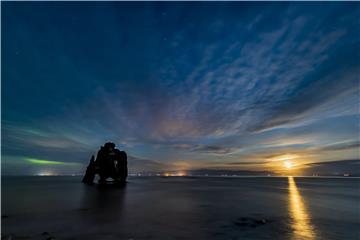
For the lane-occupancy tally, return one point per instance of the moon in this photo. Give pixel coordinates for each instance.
(288, 164)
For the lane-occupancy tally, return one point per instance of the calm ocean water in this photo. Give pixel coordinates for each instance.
(182, 208)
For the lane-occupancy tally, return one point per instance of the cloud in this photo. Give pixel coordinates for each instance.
(321, 88)
(339, 167)
(341, 146)
(249, 81)
(212, 149)
(137, 165)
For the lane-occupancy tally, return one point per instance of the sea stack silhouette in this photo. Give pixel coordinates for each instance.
(110, 162)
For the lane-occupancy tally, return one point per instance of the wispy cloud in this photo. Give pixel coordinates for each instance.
(342, 146)
(212, 149)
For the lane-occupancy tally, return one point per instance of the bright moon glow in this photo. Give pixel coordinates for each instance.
(288, 164)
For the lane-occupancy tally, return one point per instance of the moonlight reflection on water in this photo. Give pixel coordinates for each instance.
(302, 226)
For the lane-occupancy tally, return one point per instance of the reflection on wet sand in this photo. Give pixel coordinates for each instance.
(104, 203)
(301, 220)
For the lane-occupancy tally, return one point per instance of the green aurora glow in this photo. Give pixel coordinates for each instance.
(48, 162)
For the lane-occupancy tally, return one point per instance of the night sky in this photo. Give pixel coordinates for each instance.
(179, 85)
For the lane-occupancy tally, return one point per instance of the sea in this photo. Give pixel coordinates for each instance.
(55, 207)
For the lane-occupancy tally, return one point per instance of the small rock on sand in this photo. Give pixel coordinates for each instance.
(250, 222)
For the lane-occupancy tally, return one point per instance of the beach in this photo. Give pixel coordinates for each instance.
(181, 208)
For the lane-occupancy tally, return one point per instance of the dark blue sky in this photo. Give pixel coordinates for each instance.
(179, 85)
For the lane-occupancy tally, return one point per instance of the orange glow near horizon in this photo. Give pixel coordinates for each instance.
(175, 174)
(301, 220)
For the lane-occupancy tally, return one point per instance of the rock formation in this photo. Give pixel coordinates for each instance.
(110, 163)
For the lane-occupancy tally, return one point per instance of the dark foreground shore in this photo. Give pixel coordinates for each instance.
(181, 208)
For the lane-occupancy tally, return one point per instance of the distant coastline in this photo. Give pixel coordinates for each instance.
(196, 176)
